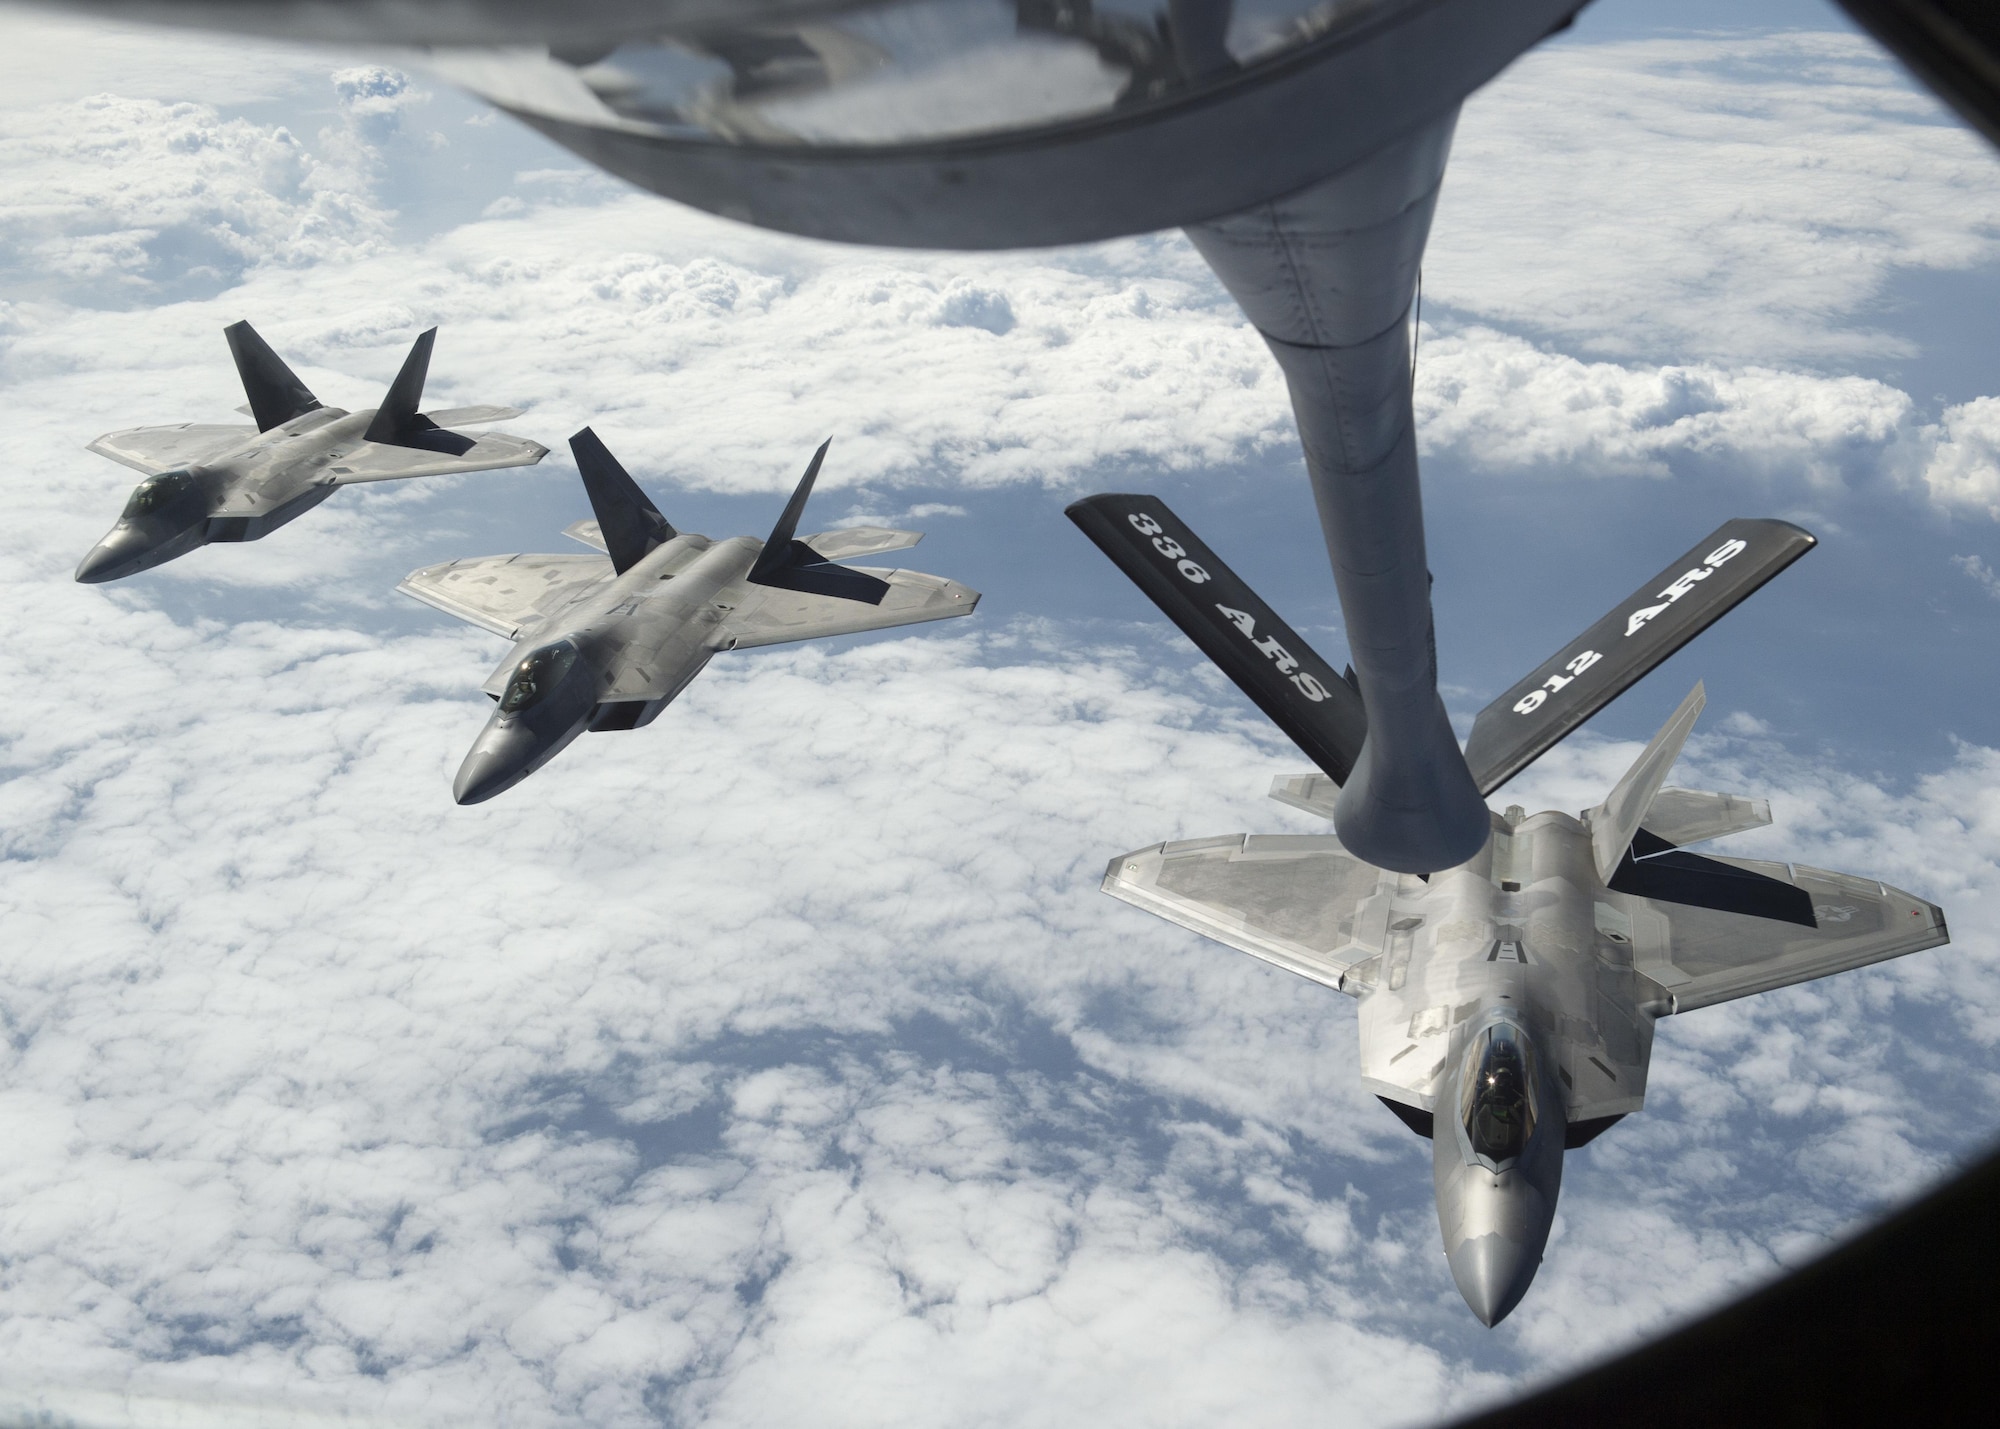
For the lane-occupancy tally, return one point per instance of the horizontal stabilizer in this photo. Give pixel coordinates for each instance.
(275, 392)
(1653, 868)
(586, 532)
(466, 416)
(1614, 654)
(629, 525)
(851, 541)
(1315, 793)
(1315, 708)
(1690, 816)
(790, 564)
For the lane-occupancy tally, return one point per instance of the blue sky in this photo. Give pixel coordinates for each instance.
(781, 1061)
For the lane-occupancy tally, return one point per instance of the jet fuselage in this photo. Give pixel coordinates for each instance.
(659, 619)
(1504, 999)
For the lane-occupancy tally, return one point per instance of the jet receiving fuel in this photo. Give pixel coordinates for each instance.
(1507, 1004)
(607, 642)
(237, 483)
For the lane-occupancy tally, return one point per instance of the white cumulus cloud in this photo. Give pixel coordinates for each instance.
(129, 198)
(781, 1061)
(1734, 198)
(1502, 401)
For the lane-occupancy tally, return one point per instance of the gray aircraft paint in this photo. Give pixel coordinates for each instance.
(209, 483)
(629, 642)
(1529, 935)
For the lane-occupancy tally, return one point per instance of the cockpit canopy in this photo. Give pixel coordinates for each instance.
(1498, 1099)
(540, 671)
(156, 492)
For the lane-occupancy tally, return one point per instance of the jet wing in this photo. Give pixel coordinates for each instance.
(1286, 898)
(381, 461)
(157, 449)
(1712, 956)
(772, 615)
(506, 594)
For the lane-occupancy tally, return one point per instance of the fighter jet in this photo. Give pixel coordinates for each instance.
(1508, 1003)
(1301, 145)
(607, 642)
(240, 483)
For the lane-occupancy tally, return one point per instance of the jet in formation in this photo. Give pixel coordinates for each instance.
(971, 124)
(1507, 1003)
(208, 483)
(606, 642)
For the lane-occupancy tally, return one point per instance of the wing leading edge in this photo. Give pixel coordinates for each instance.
(506, 594)
(1288, 899)
(156, 449)
(1712, 956)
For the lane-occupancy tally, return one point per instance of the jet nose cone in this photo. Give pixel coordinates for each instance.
(499, 759)
(1493, 1273)
(116, 555)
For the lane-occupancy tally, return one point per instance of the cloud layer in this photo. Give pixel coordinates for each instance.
(781, 1061)
(767, 1091)
(1739, 198)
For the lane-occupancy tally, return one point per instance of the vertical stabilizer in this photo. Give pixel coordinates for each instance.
(790, 564)
(1614, 822)
(275, 392)
(629, 522)
(777, 552)
(396, 419)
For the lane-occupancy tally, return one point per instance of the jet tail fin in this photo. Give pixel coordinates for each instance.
(275, 392)
(790, 564)
(1632, 859)
(1614, 822)
(1614, 654)
(397, 421)
(1317, 710)
(627, 520)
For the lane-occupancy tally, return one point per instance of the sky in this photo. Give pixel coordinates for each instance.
(781, 1062)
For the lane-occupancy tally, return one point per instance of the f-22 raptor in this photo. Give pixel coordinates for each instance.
(1508, 1003)
(237, 483)
(607, 642)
